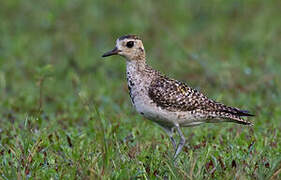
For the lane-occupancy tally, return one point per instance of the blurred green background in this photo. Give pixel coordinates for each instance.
(65, 111)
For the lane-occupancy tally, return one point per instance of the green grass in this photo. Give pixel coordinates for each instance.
(65, 112)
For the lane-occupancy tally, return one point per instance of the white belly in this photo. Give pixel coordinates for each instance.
(149, 110)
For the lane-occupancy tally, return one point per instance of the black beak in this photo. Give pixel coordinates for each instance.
(110, 53)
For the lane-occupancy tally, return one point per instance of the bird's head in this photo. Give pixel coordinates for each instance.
(130, 47)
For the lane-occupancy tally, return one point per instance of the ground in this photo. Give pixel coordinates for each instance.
(65, 112)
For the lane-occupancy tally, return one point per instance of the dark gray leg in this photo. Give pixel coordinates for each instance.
(173, 142)
(181, 143)
(169, 131)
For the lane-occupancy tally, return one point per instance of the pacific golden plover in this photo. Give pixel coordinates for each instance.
(168, 102)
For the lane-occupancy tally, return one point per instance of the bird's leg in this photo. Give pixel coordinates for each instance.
(169, 131)
(173, 142)
(181, 143)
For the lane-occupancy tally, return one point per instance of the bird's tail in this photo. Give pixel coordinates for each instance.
(235, 117)
(231, 114)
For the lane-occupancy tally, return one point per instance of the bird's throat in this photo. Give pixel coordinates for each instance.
(135, 66)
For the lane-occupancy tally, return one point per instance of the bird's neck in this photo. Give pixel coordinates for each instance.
(136, 66)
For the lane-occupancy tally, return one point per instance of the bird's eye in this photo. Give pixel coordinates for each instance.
(130, 44)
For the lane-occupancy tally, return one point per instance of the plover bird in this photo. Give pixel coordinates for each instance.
(170, 103)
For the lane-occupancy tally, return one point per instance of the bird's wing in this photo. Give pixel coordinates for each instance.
(174, 95)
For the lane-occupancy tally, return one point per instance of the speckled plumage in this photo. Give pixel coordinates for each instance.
(168, 102)
(174, 95)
